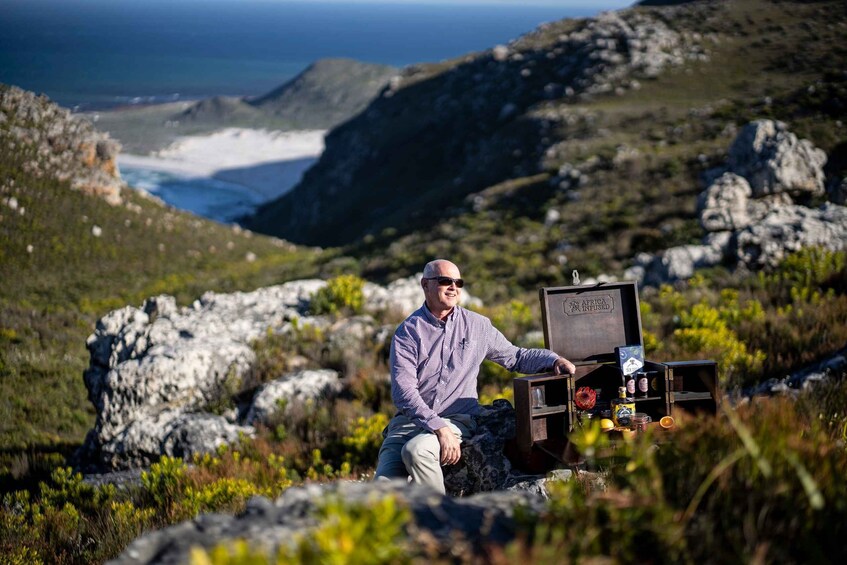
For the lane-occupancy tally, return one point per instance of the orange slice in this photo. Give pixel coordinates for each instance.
(666, 422)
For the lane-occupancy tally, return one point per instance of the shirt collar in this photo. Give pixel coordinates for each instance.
(433, 320)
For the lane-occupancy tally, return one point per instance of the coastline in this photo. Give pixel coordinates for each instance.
(268, 163)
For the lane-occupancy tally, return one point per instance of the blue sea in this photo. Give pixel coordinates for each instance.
(93, 54)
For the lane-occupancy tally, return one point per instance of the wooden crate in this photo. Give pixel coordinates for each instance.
(693, 386)
(585, 324)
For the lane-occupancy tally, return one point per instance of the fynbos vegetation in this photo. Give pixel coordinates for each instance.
(537, 169)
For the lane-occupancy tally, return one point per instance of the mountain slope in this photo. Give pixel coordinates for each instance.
(576, 146)
(75, 242)
(327, 93)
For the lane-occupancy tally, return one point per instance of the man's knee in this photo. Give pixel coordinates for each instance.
(421, 448)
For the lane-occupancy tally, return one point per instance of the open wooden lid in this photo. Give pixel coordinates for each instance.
(585, 323)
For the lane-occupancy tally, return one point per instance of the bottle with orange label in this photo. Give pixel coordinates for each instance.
(623, 408)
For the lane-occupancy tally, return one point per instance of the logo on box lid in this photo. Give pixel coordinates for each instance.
(596, 304)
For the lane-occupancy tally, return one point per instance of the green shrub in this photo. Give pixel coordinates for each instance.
(165, 483)
(513, 318)
(763, 482)
(223, 495)
(365, 439)
(705, 331)
(342, 294)
(367, 534)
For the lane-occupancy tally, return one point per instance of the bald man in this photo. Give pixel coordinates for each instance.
(435, 357)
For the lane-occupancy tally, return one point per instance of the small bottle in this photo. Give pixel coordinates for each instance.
(623, 408)
(630, 384)
(642, 384)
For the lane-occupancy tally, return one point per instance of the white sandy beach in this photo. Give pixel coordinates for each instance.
(268, 163)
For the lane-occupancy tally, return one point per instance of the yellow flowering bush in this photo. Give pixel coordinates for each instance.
(363, 443)
(341, 294)
(223, 494)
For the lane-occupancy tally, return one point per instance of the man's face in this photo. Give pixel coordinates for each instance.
(441, 298)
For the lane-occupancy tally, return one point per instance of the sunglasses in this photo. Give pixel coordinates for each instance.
(446, 281)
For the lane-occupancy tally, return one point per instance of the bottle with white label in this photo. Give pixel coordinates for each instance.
(642, 385)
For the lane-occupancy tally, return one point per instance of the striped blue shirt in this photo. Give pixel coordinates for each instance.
(435, 364)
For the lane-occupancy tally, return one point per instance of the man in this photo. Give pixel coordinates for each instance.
(435, 358)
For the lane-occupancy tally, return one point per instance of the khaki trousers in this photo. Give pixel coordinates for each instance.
(409, 451)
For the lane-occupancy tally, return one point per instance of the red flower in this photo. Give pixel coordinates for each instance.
(585, 398)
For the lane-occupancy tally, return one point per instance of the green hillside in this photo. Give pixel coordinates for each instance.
(437, 168)
(58, 278)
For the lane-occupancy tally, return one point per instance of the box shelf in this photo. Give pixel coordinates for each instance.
(684, 395)
(548, 410)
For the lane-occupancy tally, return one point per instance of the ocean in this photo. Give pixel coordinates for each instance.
(96, 54)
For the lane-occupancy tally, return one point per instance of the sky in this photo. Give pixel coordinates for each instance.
(602, 4)
(595, 4)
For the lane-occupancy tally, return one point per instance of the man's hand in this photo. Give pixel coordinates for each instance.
(450, 447)
(562, 366)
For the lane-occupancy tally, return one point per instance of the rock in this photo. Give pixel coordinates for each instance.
(68, 147)
(838, 192)
(726, 204)
(436, 520)
(680, 263)
(299, 386)
(500, 53)
(156, 370)
(773, 160)
(747, 209)
(833, 368)
(788, 229)
(150, 365)
(484, 466)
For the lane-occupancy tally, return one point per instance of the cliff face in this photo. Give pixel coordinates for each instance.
(59, 145)
(440, 132)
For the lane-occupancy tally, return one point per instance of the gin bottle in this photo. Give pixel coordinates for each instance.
(623, 408)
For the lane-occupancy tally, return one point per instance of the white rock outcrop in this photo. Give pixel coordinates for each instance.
(157, 373)
(298, 387)
(748, 209)
(774, 160)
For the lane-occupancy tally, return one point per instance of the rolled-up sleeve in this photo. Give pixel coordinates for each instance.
(404, 383)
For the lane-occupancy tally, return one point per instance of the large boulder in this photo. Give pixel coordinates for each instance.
(171, 432)
(157, 370)
(774, 160)
(300, 387)
(727, 204)
(484, 466)
(68, 146)
(788, 229)
(748, 212)
(678, 262)
(438, 521)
